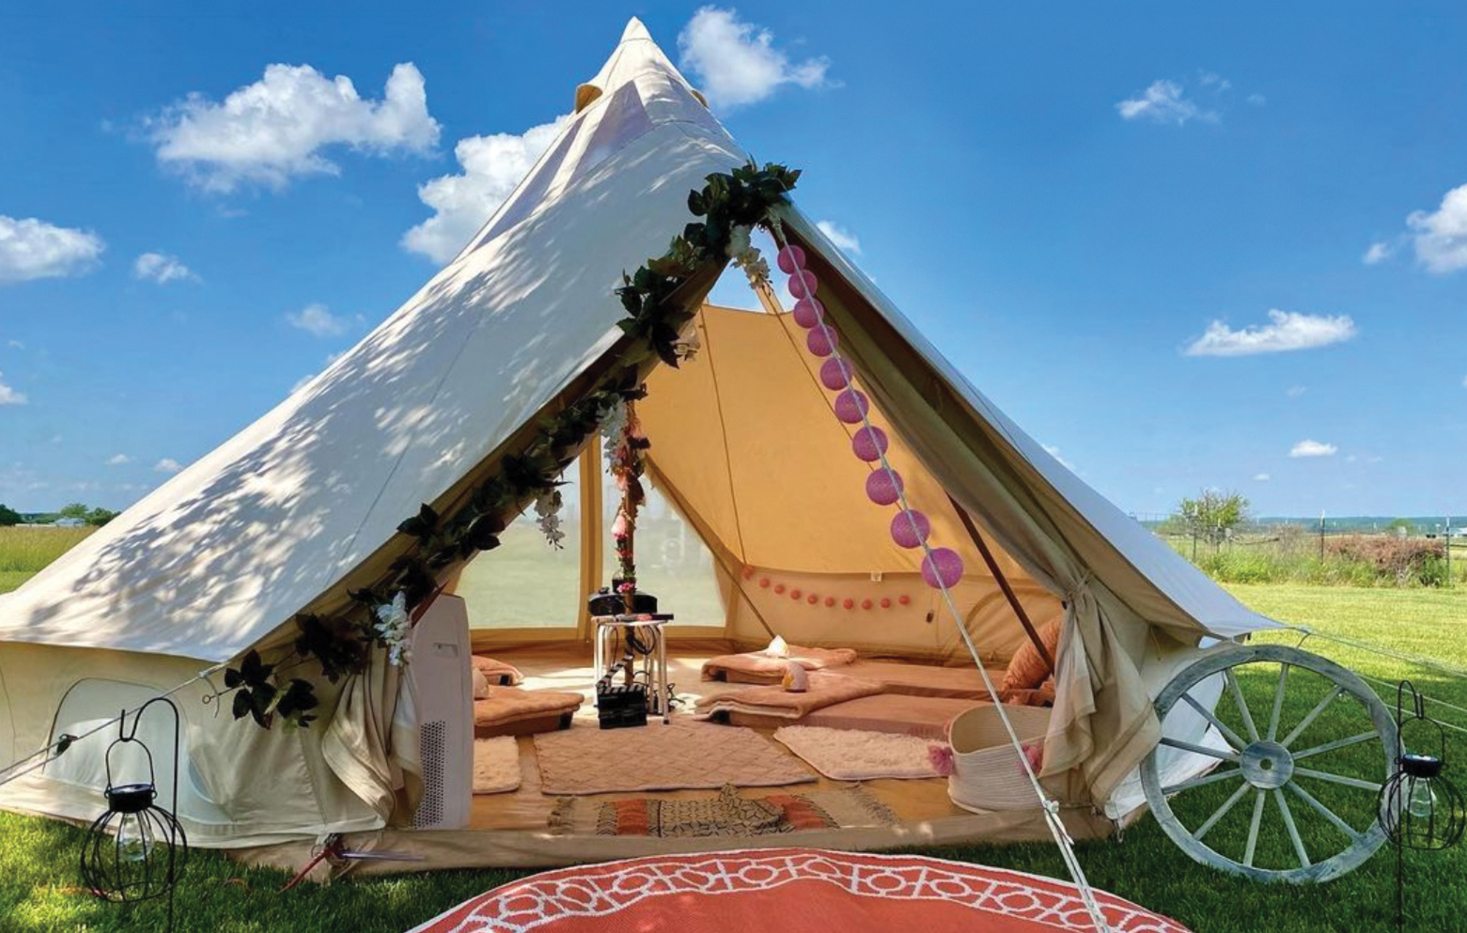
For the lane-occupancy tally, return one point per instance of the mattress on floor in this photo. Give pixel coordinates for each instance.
(924, 680)
(512, 711)
(924, 717)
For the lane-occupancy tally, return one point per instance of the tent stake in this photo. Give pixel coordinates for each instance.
(1003, 582)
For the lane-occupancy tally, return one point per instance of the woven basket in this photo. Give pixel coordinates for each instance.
(987, 774)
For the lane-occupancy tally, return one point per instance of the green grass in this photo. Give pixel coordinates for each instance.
(38, 887)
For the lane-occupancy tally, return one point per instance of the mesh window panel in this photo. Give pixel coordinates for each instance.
(430, 744)
(526, 583)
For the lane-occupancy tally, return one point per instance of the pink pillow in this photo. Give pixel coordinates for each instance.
(1027, 670)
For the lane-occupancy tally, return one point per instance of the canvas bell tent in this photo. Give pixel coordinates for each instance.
(767, 533)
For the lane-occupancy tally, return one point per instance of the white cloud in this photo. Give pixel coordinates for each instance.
(1440, 237)
(492, 166)
(34, 249)
(161, 268)
(1257, 100)
(1164, 102)
(15, 344)
(277, 128)
(1464, 382)
(9, 396)
(1377, 253)
(1054, 452)
(167, 465)
(840, 236)
(1214, 80)
(1309, 448)
(1295, 391)
(316, 319)
(1261, 477)
(118, 460)
(736, 62)
(1288, 330)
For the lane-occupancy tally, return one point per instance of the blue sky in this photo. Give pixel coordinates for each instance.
(1182, 248)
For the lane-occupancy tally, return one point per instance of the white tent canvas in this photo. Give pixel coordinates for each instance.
(305, 503)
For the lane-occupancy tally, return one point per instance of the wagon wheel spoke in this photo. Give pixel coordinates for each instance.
(1256, 753)
(1278, 702)
(1334, 819)
(1253, 825)
(1338, 779)
(1299, 850)
(1205, 779)
(1235, 740)
(1337, 743)
(1242, 704)
(1313, 715)
(1222, 811)
(1199, 749)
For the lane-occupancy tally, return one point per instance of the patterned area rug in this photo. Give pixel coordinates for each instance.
(854, 755)
(683, 754)
(496, 765)
(779, 890)
(726, 814)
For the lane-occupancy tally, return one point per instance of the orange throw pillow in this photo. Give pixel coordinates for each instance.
(1027, 670)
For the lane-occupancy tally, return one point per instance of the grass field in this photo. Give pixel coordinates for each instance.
(38, 887)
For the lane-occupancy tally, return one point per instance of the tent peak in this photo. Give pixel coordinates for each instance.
(635, 30)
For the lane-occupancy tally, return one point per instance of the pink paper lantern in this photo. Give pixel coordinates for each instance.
(942, 568)
(865, 604)
(821, 340)
(812, 599)
(835, 374)
(884, 486)
(848, 603)
(851, 406)
(803, 284)
(904, 599)
(779, 588)
(869, 443)
(791, 258)
(829, 601)
(795, 593)
(764, 583)
(808, 312)
(909, 528)
(886, 602)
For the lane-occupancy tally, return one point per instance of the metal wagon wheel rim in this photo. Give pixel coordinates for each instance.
(1264, 758)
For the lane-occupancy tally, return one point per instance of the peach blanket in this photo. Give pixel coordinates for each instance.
(825, 690)
(762, 667)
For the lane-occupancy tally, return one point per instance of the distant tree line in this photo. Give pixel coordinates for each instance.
(91, 515)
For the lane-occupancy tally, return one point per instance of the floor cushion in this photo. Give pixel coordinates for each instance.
(512, 711)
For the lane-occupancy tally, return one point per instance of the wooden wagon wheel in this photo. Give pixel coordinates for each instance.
(1267, 758)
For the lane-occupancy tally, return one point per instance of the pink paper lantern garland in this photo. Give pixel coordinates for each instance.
(884, 486)
(851, 406)
(942, 567)
(909, 528)
(835, 374)
(869, 444)
(808, 312)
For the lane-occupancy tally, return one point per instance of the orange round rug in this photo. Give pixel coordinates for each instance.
(794, 890)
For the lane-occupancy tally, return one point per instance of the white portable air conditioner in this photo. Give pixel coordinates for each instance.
(443, 690)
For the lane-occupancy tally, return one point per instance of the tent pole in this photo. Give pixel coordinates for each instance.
(1003, 582)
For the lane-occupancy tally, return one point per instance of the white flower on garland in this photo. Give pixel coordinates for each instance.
(547, 514)
(687, 348)
(613, 431)
(393, 627)
(746, 257)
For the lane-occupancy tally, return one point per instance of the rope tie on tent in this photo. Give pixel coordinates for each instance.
(54, 750)
(1048, 804)
(1081, 585)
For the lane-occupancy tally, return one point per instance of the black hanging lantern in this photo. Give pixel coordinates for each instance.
(1419, 807)
(136, 850)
